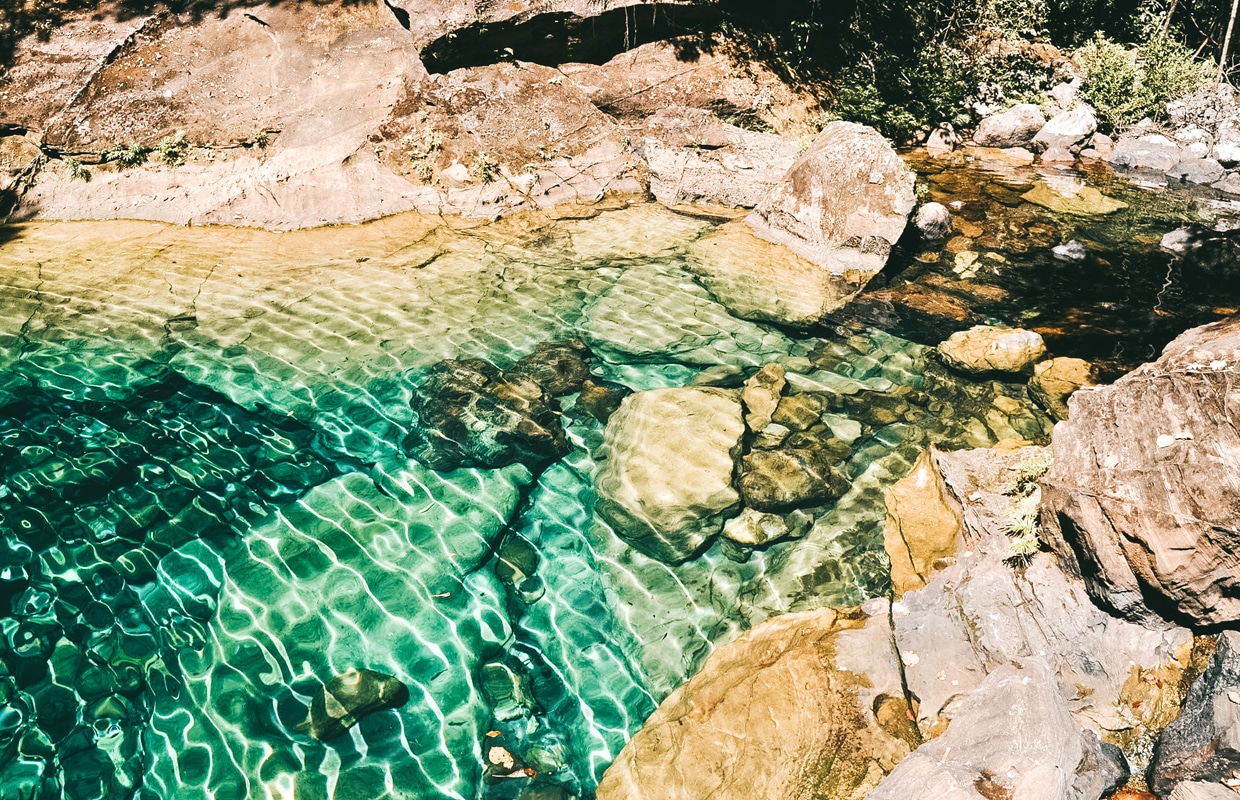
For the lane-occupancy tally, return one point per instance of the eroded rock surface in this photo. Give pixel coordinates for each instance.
(923, 529)
(1142, 499)
(804, 705)
(1054, 381)
(986, 348)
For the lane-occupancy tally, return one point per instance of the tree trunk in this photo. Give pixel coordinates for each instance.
(1222, 59)
(1167, 22)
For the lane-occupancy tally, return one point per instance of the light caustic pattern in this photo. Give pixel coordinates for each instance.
(207, 512)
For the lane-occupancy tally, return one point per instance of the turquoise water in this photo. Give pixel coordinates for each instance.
(208, 512)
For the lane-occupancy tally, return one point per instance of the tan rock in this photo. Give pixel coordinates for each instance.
(761, 396)
(843, 204)
(987, 348)
(1079, 199)
(759, 280)
(923, 526)
(667, 484)
(1054, 381)
(804, 705)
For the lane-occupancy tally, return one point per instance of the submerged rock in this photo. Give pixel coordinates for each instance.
(1203, 743)
(843, 204)
(1142, 498)
(600, 398)
(666, 486)
(1072, 197)
(788, 478)
(1013, 738)
(350, 697)
(469, 415)
(558, 367)
(986, 348)
(761, 396)
(804, 705)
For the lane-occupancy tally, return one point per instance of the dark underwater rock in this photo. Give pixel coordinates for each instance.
(470, 416)
(348, 698)
(560, 368)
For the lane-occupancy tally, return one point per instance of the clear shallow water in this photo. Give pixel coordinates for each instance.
(207, 513)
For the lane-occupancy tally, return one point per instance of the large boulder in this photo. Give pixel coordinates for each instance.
(1012, 738)
(804, 705)
(691, 156)
(1150, 152)
(666, 486)
(1118, 678)
(986, 348)
(1015, 127)
(1142, 500)
(843, 204)
(1067, 129)
(1203, 743)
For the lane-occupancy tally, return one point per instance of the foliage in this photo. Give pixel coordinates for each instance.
(173, 149)
(1127, 84)
(1022, 526)
(130, 155)
(75, 169)
(261, 139)
(484, 168)
(422, 150)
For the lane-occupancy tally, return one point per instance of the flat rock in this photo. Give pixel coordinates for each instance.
(846, 729)
(987, 348)
(1203, 743)
(692, 156)
(1200, 790)
(1015, 127)
(759, 280)
(1072, 196)
(761, 395)
(1141, 499)
(1054, 381)
(1012, 737)
(666, 486)
(843, 204)
(1067, 129)
(1197, 170)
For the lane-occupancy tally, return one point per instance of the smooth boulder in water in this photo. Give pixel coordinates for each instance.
(988, 348)
(470, 415)
(349, 697)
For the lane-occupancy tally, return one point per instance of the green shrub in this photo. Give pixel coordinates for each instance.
(76, 169)
(130, 155)
(173, 149)
(1127, 84)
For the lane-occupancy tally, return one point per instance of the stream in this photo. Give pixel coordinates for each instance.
(208, 508)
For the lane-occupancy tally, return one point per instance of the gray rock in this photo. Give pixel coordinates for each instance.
(1142, 497)
(1101, 143)
(1203, 743)
(1197, 790)
(980, 613)
(1152, 152)
(666, 486)
(1064, 94)
(1012, 737)
(1197, 170)
(1073, 250)
(942, 140)
(1067, 129)
(934, 221)
(1015, 127)
(843, 204)
(1229, 184)
(1056, 155)
(692, 156)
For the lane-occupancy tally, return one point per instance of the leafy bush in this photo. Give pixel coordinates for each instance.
(172, 149)
(75, 169)
(1127, 84)
(130, 155)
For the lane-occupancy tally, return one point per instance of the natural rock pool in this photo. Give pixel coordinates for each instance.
(209, 508)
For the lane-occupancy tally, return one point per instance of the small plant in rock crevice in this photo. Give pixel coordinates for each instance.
(484, 168)
(173, 149)
(75, 169)
(1023, 527)
(129, 155)
(422, 150)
